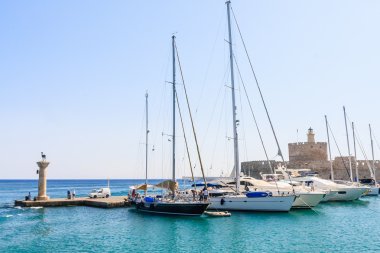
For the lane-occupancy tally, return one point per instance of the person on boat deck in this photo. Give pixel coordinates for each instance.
(312, 186)
(201, 195)
(194, 192)
(133, 193)
(205, 193)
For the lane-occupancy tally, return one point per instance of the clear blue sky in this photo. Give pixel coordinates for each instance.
(73, 76)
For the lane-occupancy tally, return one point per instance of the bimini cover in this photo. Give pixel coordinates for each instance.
(257, 194)
(208, 185)
(168, 184)
(149, 199)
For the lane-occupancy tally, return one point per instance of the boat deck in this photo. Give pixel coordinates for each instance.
(111, 202)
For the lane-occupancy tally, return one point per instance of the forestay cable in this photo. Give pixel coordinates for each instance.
(340, 153)
(258, 87)
(257, 126)
(191, 117)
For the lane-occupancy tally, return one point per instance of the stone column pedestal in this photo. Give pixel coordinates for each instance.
(42, 165)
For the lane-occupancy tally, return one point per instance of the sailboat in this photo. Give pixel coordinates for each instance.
(371, 182)
(173, 203)
(249, 201)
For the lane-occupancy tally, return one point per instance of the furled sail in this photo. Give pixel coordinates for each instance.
(168, 184)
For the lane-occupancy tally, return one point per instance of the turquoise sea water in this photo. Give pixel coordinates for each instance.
(333, 227)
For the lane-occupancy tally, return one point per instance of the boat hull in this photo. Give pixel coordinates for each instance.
(348, 194)
(330, 194)
(374, 191)
(243, 203)
(168, 208)
(308, 200)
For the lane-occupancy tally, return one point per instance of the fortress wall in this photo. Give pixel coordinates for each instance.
(253, 168)
(342, 163)
(322, 167)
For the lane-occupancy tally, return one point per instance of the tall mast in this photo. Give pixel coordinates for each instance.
(146, 141)
(174, 92)
(236, 146)
(356, 162)
(373, 154)
(348, 144)
(328, 142)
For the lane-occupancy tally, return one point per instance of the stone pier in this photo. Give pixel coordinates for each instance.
(111, 202)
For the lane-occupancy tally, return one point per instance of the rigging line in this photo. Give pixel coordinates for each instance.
(138, 157)
(184, 136)
(243, 128)
(226, 139)
(258, 87)
(191, 117)
(163, 102)
(355, 155)
(159, 116)
(364, 153)
(370, 168)
(377, 143)
(213, 110)
(219, 124)
(257, 126)
(209, 62)
(241, 122)
(253, 116)
(308, 205)
(340, 153)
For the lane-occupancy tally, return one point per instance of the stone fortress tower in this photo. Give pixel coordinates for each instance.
(308, 154)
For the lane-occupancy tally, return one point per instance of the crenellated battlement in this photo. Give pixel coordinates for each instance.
(306, 143)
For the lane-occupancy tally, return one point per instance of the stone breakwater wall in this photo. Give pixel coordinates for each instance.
(111, 202)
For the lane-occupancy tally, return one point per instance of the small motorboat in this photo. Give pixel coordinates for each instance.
(218, 214)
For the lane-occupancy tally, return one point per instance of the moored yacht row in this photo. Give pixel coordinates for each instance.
(277, 195)
(239, 193)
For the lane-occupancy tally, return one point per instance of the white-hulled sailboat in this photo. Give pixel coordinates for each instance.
(250, 201)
